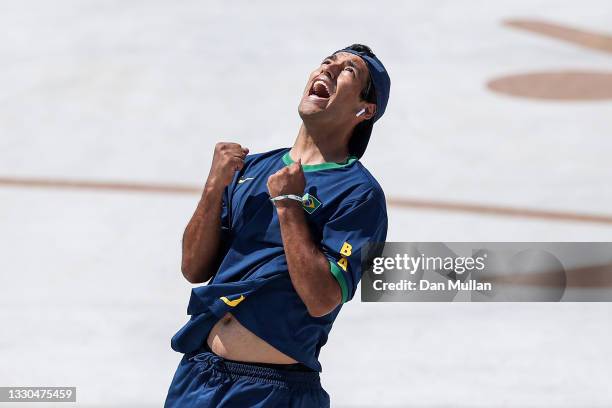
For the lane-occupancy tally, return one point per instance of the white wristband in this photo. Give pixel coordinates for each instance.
(287, 197)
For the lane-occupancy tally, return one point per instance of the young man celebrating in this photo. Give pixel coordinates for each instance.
(282, 235)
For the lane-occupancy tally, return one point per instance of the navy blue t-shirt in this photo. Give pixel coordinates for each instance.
(345, 211)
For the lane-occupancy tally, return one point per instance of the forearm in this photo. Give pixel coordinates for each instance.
(202, 237)
(308, 266)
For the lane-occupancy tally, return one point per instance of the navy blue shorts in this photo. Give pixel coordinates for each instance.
(206, 380)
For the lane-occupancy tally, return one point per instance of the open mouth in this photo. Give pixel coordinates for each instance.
(320, 89)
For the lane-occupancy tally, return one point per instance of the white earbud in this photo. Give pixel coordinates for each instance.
(361, 112)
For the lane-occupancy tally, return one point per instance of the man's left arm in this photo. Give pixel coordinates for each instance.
(309, 268)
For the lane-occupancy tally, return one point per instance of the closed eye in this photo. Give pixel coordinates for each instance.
(351, 70)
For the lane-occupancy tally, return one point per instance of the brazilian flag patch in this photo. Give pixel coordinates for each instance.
(310, 203)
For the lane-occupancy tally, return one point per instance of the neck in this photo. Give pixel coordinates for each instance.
(316, 146)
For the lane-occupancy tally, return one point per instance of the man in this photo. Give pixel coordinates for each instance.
(282, 235)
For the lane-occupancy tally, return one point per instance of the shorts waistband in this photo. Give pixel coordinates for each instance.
(259, 373)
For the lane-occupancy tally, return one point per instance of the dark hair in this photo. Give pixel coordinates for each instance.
(368, 94)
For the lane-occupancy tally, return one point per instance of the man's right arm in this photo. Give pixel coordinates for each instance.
(202, 237)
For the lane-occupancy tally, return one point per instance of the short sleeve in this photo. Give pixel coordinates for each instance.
(346, 236)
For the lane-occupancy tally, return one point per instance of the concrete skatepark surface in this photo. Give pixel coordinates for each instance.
(139, 92)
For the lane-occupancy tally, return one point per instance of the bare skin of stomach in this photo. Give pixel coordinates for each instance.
(231, 340)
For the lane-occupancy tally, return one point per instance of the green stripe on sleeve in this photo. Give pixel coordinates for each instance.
(337, 272)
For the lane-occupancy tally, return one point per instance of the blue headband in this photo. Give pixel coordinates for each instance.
(379, 77)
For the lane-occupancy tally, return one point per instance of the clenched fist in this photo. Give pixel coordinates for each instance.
(227, 159)
(288, 180)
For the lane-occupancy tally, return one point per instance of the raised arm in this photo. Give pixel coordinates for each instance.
(309, 269)
(202, 237)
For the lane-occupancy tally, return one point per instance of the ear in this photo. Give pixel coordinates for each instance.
(370, 111)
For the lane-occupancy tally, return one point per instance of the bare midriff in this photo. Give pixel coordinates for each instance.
(231, 340)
